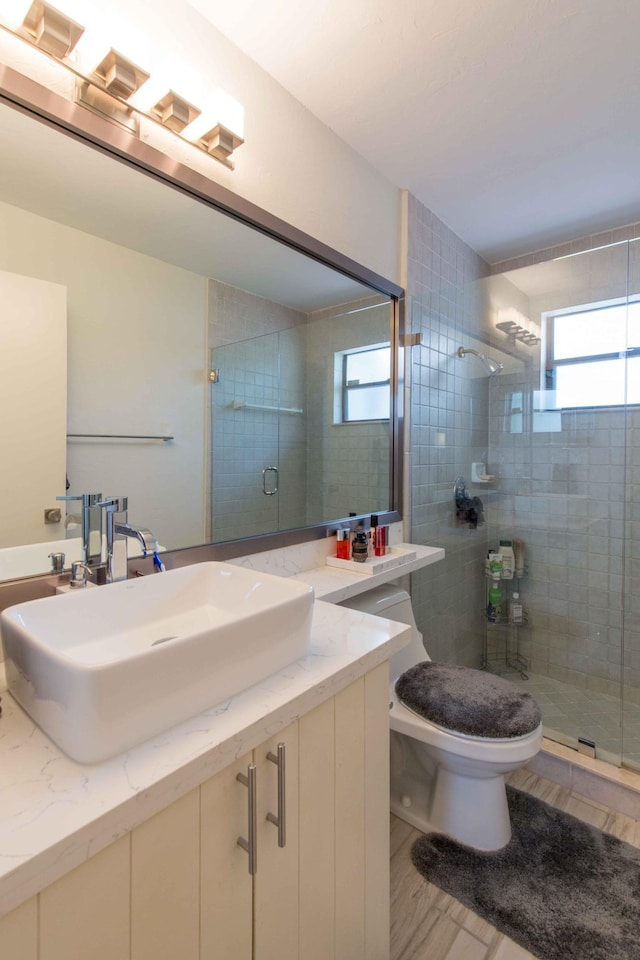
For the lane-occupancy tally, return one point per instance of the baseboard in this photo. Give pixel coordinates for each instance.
(615, 787)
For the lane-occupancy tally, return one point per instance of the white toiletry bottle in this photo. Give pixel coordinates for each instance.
(508, 559)
(518, 549)
(516, 615)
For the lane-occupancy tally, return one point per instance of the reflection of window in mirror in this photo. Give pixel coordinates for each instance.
(363, 382)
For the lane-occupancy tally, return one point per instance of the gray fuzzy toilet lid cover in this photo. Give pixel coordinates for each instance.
(468, 701)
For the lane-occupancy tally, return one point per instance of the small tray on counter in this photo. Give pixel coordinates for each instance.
(394, 558)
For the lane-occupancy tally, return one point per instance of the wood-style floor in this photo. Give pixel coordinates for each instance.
(427, 924)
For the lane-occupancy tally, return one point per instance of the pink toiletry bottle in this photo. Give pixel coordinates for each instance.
(379, 536)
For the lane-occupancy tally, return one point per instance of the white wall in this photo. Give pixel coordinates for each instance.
(291, 164)
(33, 401)
(136, 365)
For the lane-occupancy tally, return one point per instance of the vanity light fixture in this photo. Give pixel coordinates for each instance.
(51, 30)
(516, 332)
(175, 112)
(110, 88)
(220, 142)
(120, 76)
(219, 129)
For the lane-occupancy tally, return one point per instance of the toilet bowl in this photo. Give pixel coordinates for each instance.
(442, 780)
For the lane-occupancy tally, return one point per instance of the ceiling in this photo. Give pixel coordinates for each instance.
(514, 121)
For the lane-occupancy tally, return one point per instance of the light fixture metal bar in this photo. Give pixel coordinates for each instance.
(101, 102)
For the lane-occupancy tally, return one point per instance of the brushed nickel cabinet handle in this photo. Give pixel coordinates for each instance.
(249, 845)
(281, 819)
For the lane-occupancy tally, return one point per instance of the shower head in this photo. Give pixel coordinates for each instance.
(491, 366)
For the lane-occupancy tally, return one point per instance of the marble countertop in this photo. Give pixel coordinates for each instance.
(334, 585)
(55, 813)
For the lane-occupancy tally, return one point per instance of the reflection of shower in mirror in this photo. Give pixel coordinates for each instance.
(491, 366)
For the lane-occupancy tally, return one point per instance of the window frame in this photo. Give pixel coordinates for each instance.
(548, 372)
(347, 387)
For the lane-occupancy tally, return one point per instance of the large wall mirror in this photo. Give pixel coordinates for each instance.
(154, 347)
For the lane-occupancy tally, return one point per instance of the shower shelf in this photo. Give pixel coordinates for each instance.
(501, 646)
(503, 657)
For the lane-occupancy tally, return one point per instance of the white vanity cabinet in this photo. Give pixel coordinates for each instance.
(179, 886)
(325, 894)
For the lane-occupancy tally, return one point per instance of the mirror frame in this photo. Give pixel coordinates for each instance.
(96, 132)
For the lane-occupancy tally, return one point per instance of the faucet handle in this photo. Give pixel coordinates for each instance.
(57, 562)
(79, 573)
(114, 504)
(88, 499)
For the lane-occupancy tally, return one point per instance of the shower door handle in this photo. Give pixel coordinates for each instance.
(273, 489)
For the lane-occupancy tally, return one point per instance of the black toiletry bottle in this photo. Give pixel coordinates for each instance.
(360, 545)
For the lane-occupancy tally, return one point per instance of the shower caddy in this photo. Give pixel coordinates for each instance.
(501, 640)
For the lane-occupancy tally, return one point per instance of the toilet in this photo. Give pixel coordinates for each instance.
(443, 780)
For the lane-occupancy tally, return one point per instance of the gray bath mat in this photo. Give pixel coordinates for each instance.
(561, 889)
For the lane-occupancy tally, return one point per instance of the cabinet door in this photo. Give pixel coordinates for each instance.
(19, 931)
(86, 913)
(350, 822)
(362, 818)
(317, 833)
(276, 880)
(226, 928)
(376, 792)
(165, 883)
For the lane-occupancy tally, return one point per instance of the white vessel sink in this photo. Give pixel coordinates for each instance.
(109, 667)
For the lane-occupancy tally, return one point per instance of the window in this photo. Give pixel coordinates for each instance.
(593, 356)
(365, 383)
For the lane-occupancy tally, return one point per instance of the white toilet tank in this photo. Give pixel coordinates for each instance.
(395, 604)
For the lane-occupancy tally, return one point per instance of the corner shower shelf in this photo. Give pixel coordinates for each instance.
(508, 658)
(503, 658)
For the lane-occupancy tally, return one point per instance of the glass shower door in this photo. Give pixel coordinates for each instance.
(558, 442)
(244, 441)
(259, 439)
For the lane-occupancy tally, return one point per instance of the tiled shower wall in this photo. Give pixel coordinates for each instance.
(567, 489)
(347, 463)
(446, 305)
(271, 356)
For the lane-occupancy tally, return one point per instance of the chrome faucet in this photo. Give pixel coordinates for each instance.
(141, 534)
(117, 529)
(91, 528)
